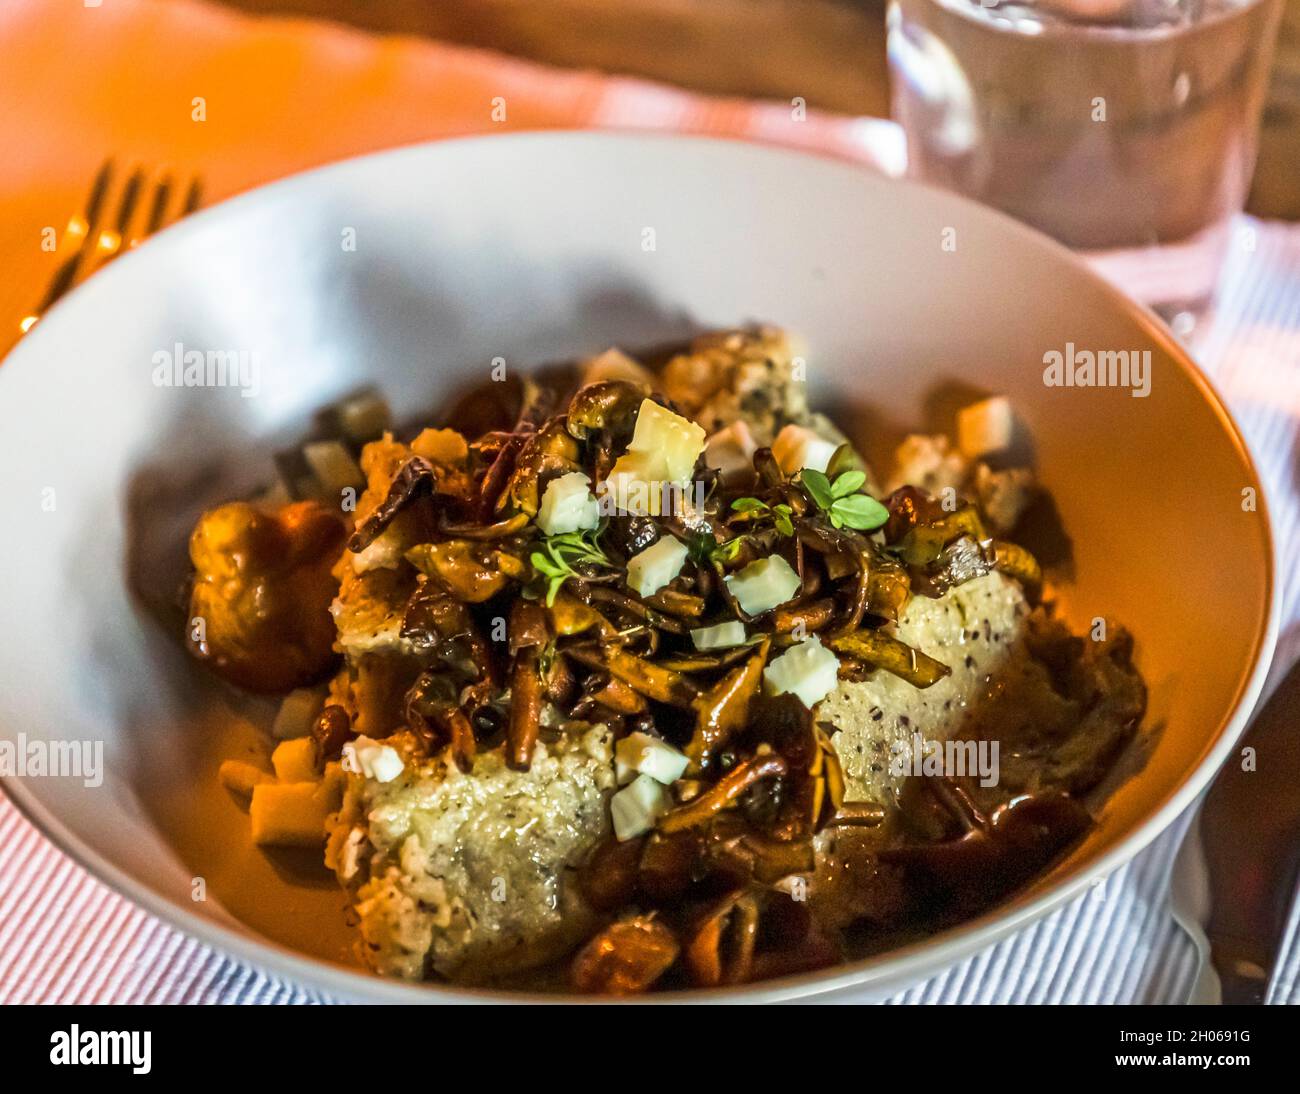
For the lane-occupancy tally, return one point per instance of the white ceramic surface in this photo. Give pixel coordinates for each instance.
(535, 248)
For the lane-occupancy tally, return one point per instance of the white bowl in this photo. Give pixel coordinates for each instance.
(538, 248)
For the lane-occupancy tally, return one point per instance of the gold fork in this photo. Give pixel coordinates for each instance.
(113, 221)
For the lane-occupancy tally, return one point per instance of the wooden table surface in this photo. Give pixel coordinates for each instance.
(831, 52)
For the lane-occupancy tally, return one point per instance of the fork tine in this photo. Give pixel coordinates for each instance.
(66, 274)
(158, 209)
(110, 242)
(193, 197)
(98, 192)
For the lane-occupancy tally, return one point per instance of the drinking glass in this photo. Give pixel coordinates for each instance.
(1126, 129)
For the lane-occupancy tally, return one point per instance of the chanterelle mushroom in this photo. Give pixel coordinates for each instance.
(259, 605)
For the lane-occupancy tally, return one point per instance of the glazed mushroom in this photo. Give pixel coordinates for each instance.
(544, 455)
(807, 618)
(603, 690)
(470, 570)
(529, 633)
(643, 676)
(724, 792)
(606, 407)
(879, 649)
(434, 711)
(626, 958)
(720, 947)
(720, 711)
(259, 602)
(330, 732)
(991, 853)
(633, 606)
(501, 529)
(417, 477)
(609, 877)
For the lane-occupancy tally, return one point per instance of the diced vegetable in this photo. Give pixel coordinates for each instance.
(639, 753)
(333, 467)
(614, 364)
(276, 496)
(289, 814)
(297, 712)
(385, 764)
(929, 463)
(295, 761)
(763, 584)
(364, 417)
(1003, 495)
(719, 637)
(240, 778)
(635, 809)
(568, 505)
(656, 566)
(369, 758)
(985, 427)
(635, 484)
(674, 440)
(808, 671)
(797, 447)
(731, 450)
(662, 454)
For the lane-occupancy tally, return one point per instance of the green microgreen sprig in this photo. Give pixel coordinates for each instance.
(840, 500)
(781, 514)
(707, 550)
(560, 554)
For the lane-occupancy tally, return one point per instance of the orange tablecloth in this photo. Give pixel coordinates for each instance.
(129, 78)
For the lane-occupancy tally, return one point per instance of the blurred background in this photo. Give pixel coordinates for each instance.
(831, 52)
(995, 99)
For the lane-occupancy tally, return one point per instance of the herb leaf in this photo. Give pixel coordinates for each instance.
(705, 549)
(858, 511)
(781, 513)
(561, 553)
(850, 482)
(818, 487)
(840, 500)
(727, 550)
(544, 565)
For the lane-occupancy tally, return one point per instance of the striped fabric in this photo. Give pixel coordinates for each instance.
(64, 937)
